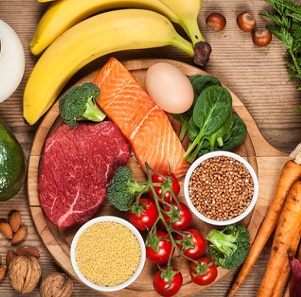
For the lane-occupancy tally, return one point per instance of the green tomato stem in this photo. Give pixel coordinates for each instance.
(161, 217)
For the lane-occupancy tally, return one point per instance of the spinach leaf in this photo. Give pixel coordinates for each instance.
(236, 135)
(193, 130)
(212, 108)
(199, 83)
(216, 139)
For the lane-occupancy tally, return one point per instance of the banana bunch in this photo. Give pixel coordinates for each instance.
(61, 15)
(72, 33)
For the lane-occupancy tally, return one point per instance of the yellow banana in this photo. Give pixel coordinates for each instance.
(63, 14)
(187, 11)
(99, 35)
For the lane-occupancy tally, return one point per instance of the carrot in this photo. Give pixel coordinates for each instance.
(283, 276)
(291, 172)
(288, 225)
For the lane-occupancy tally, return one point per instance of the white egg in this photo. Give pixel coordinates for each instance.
(169, 87)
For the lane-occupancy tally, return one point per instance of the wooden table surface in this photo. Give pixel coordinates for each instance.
(256, 75)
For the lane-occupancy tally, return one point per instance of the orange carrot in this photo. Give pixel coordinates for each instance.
(288, 225)
(283, 276)
(291, 172)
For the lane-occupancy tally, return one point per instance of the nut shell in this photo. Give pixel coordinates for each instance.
(56, 285)
(24, 273)
(246, 21)
(3, 270)
(216, 21)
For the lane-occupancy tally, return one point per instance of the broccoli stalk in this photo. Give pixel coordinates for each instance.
(229, 247)
(122, 189)
(78, 104)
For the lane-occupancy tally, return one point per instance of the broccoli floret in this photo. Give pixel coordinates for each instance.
(230, 246)
(78, 104)
(122, 188)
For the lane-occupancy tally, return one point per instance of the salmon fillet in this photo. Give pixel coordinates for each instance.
(142, 122)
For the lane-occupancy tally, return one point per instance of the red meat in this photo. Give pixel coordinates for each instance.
(77, 165)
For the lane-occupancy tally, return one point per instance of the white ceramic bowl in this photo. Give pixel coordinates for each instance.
(234, 219)
(87, 281)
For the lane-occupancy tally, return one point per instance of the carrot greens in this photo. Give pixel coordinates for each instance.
(287, 28)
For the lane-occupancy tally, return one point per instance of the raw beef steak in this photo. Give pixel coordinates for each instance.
(77, 166)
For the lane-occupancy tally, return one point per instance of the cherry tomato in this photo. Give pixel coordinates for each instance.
(179, 214)
(168, 282)
(192, 243)
(168, 181)
(204, 272)
(158, 247)
(145, 215)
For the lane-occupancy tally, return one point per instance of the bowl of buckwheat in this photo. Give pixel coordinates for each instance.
(221, 188)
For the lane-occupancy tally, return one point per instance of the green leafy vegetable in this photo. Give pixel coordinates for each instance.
(210, 123)
(236, 134)
(78, 104)
(199, 83)
(229, 247)
(122, 188)
(212, 109)
(287, 28)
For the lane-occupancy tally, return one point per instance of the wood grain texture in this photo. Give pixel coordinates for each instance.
(257, 76)
(58, 241)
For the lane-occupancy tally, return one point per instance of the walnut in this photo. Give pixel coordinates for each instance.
(24, 273)
(56, 285)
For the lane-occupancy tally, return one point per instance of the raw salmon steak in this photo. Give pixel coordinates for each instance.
(142, 122)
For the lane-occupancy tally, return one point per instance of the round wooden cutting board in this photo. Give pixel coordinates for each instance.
(266, 160)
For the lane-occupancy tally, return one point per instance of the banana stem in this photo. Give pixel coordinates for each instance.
(183, 44)
(192, 29)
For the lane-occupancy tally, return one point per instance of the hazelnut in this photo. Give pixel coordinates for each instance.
(262, 37)
(56, 284)
(24, 273)
(216, 21)
(246, 21)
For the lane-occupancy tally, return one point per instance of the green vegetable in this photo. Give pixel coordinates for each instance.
(12, 163)
(199, 83)
(235, 136)
(229, 247)
(78, 104)
(122, 188)
(212, 109)
(210, 123)
(287, 28)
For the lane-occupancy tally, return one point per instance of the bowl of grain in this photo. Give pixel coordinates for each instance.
(221, 188)
(107, 253)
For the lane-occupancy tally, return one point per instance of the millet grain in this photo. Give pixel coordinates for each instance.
(107, 253)
(221, 188)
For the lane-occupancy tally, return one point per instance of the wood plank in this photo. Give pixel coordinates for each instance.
(257, 76)
(58, 241)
